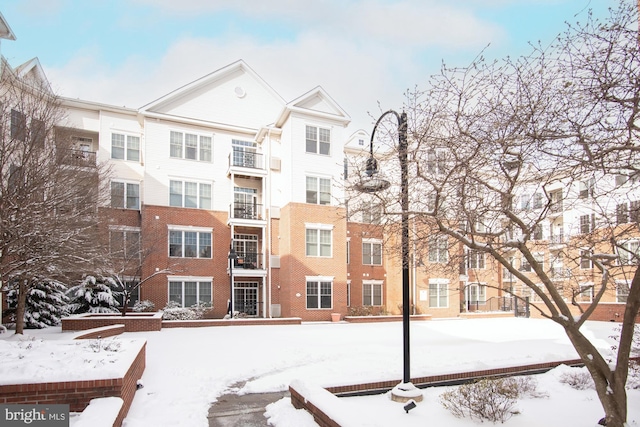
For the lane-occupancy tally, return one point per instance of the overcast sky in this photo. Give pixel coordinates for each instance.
(362, 52)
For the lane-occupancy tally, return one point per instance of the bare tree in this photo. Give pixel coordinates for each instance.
(48, 204)
(535, 160)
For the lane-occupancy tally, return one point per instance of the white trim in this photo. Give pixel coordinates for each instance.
(189, 228)
(320, 278)
(189, 279)
(318, 226)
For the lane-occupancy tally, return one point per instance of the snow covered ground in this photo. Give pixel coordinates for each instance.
(189, 368)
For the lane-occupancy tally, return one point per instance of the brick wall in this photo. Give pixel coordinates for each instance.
(133, 322)
(106, 331)
(376, 319)
(609, 312)
(230, 322)
(78, 394)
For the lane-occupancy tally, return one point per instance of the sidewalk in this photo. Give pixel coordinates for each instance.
(232, 410)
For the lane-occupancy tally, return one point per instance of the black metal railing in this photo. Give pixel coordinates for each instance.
(79, 158)
(246, 159)
(246, 210)
(249, 260)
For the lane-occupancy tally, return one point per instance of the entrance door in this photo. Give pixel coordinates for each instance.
(246, 298)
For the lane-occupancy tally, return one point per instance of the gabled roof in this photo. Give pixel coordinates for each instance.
(5, 30)
(33, 73)
(315, 102)
(207, 80)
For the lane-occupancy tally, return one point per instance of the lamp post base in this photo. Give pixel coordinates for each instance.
(404, 392)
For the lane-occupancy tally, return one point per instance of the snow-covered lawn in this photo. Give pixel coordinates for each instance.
(189, 368)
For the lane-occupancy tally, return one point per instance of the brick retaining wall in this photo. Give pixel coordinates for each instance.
(391, 318)
(105, 331)
(133, 322)
(78, 394)
(230, 322)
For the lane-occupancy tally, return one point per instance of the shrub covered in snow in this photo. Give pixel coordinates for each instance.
(46, 304)
(174, 311)
(578, 379)
(145, 306)
(95, 294)
(489, 399)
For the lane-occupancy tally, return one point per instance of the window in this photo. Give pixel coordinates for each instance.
(189, 194)
(587, 223)
(629, 252)
(18, 125)
(189, 244)
(524, 265)
(38, 132)
(556, 201)
(476, 259)
(525, 202)
(188, 293)
(621, 180)
(318, 190)
(622, 291)
(372, 253)
(438, 249)
(586, 188)
(318, 242)
(436, 162)
(318, 140)
(372, 293)
(125, 195)
(537, 232)
(477, 293)
(537, 201)
(586, 292)
(348, 252)
(372, 214)
(634, 211)
(319, 293)
(585, 259)
(622, 213)
(124, 243)
(125, 147)
(190, 146)
(438, 293)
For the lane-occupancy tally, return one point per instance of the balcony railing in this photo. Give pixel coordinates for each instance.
(246, 211)
(80, 158)
(249, 261)
(246, 159)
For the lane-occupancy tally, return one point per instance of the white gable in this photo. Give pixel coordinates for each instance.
(317, 103)
(233, 95)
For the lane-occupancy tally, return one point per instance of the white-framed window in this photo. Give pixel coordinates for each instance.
(348, 293)
(125, 147)
(318, 190)
(348, 251)
(436, 162)
(124, 242)
(622, 213)
(192, 243)
(372, 214)
(188, 194)
(475, 259)
(319, 292)
(188, 291)
(125, 195)
(629, 252)
(622, 291)
(525, 265)
(477, 292)
(586, 292)
(372, 293)
(438, 293)
(586, 262)
(18, 125)
(318, 140)
(190, 146)
(318, 240)
(438, 249)
(586, 188)
(587, 223)
(371, 252)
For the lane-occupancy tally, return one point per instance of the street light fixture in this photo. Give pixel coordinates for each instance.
(232, 257)
(406, 390)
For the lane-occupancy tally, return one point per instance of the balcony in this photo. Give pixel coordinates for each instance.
(557, 241)
(246, 163)
(249, 261)
(250, 211)
(77, 158)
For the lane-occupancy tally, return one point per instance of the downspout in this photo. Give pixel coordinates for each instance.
(267, 251)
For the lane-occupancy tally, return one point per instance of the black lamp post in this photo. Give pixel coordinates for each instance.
(232, 257)
(374, 184)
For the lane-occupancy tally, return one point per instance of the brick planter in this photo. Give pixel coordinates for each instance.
(78, 394)
(133, 322)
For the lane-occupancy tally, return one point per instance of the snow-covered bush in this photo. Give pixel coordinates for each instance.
(46, 304)
(145, 306)
(95, 294)
(578, 379)
(489, 399)
(174, 311)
